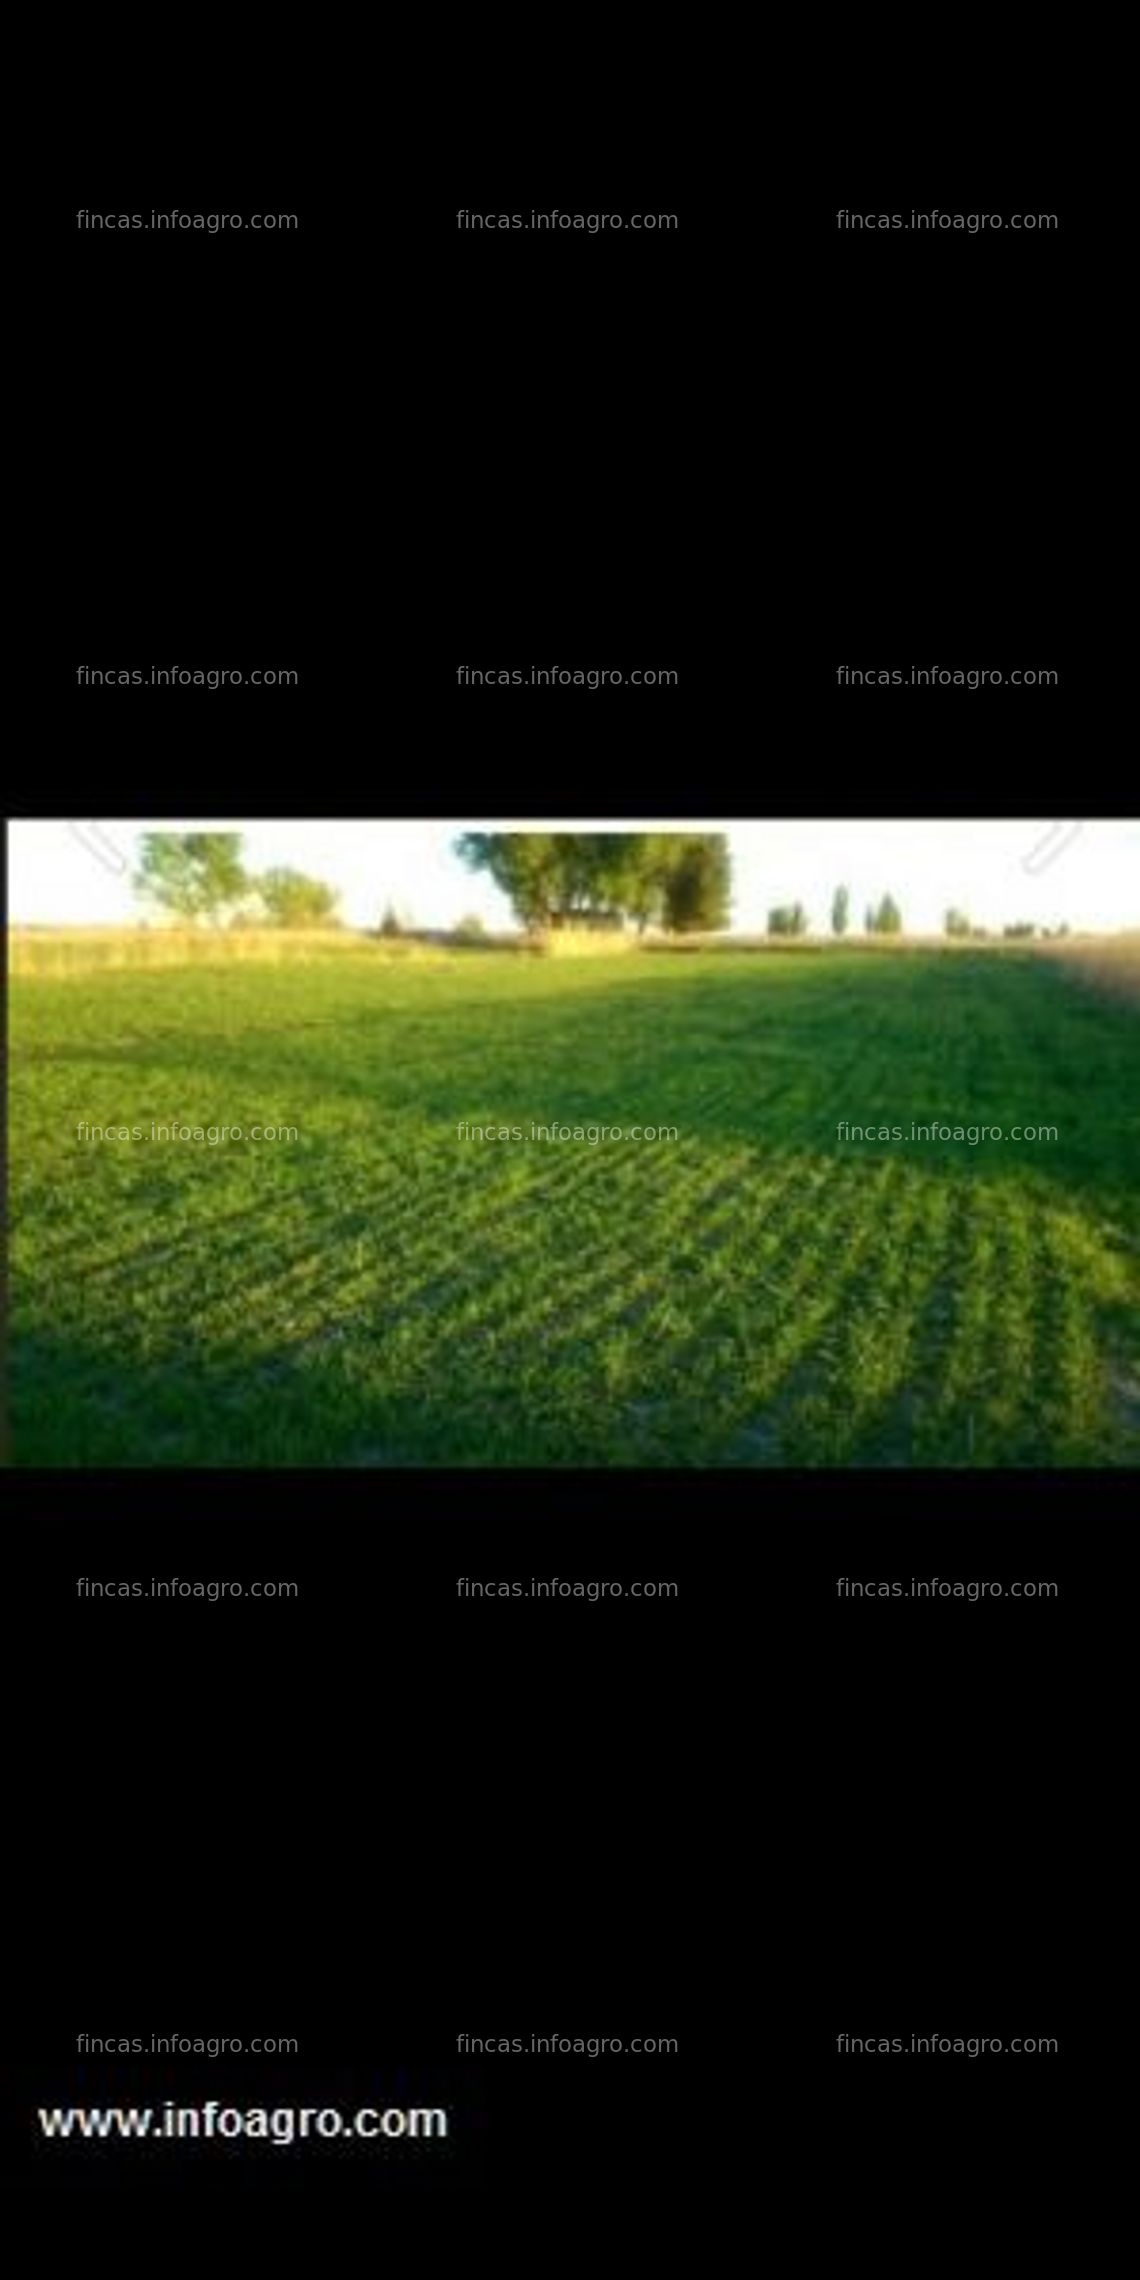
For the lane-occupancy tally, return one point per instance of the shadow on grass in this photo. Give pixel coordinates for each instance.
(685, 1304)
(773, 1057)
(76, 1403)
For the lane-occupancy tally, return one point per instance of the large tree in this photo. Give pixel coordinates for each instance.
(563, 878)
(840, 910)
(788, 918)
(291, 899)
(524, 866)
(886, 919)
(194, 874)
(698, 885)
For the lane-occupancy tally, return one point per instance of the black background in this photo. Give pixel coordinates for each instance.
(573, 463)
(754, 1816)
(212, 462)
(754, 450)
(375, 1816)
(750, 451)
(951, 389)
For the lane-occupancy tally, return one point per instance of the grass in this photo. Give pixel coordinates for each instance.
(380, 1292)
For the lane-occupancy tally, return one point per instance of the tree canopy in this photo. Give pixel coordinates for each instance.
(680, 880)
(195, 874)
(698, 885)
(886, 919)
(292, 899)
(788, 918)
(200, 875)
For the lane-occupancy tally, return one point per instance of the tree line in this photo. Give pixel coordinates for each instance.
(883, 917)
(678, 881)
(199, 875)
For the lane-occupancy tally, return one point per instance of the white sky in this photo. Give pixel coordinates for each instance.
(70, 874)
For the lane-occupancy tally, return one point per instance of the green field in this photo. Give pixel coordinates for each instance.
(380, 1292)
